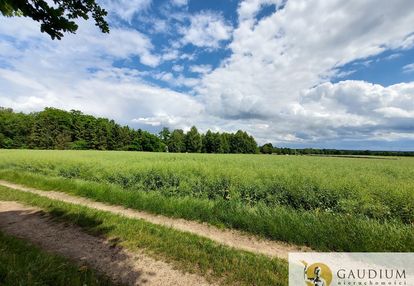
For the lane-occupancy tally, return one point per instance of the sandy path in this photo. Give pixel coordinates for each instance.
(70, 241)
(227, 237)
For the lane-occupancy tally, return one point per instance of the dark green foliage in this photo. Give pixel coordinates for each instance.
(165, 135)
(193, 141)
(150, 142)
(15, 129)
(337, 152)
(51, 129)
(25, 264)
(58, 129)
(225, 142)
(266, 148)
(58, 18)
(241, 142)
(176, 141)
(212, 143)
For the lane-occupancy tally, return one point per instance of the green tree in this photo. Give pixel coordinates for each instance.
(176, 142)
(57, 17)
(241, 142)
(212, 142)
(100, 134)
(225, 139)
(150, 142)
(51, 129)
(15, 128)
(193, 141)
(216, 143)
(79, 145)
(266, 148)
(164, 135)
(125, 138)
(207, 142)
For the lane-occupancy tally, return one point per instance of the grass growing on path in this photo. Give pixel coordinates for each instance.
(24, 264)
(186, 251)
(322, 231)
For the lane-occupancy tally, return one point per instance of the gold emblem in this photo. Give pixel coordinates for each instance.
(317, 274)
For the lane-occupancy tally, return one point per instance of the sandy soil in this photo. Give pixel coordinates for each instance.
(70, 241)
(227, 237)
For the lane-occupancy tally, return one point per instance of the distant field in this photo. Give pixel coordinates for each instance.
(324, 202)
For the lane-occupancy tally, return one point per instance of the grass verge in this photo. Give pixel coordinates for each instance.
(187, 251)
(319, 230)
(24, 264)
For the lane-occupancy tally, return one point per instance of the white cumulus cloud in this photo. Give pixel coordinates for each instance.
(125, 9)
(206, 29)
(279, 58)
(278, 82)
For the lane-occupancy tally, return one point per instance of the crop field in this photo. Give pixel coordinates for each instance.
(340, 204)
(278, 203)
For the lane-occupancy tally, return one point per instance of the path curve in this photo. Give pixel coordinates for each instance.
(122, 266)
(232, 238)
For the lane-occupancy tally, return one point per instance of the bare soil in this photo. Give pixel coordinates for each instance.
(121, 266)
(232, 238)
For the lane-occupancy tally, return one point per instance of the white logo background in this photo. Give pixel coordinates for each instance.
(346, 267)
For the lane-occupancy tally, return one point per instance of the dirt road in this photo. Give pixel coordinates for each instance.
(121, 266)
(227, 237)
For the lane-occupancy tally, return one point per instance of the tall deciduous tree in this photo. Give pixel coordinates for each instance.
(241, 142)
(266, 148)
(193, 141)
(164, 135)
(176, 142)
(58, 17)
(212, 143)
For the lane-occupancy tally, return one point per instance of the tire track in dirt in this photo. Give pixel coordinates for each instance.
(122, 266)
(232, 238)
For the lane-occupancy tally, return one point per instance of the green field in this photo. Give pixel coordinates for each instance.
(343, 204)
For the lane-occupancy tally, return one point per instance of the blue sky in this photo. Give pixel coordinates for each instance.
(385, 69)
(298, 73)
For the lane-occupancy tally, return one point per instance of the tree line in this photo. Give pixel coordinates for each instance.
(58, 129)
(268, 148)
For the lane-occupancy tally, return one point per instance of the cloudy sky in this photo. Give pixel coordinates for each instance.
(297, 73)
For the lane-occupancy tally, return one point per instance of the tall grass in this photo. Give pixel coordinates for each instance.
(319, 230)
(378, 189)
(343, 204)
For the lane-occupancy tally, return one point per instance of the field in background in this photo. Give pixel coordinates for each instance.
(349, 204)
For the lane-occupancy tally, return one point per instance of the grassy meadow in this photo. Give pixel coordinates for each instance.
(341, 204)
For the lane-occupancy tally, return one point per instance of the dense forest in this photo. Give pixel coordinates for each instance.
(58, 129)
